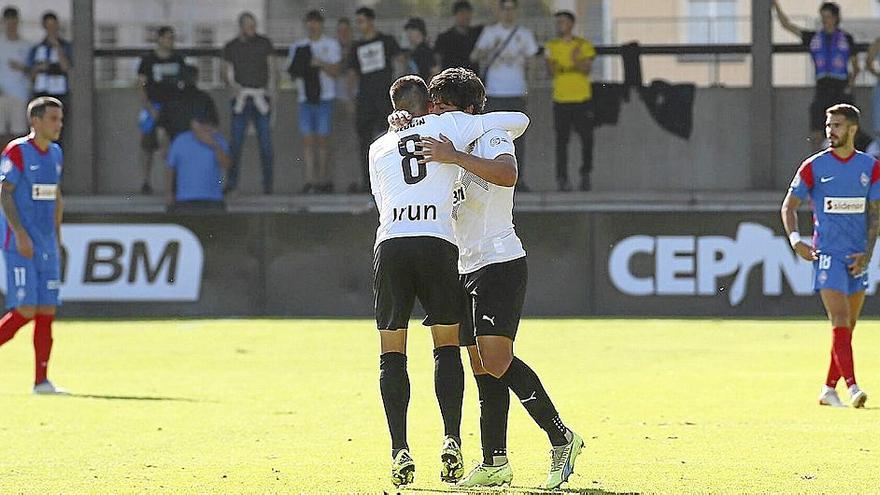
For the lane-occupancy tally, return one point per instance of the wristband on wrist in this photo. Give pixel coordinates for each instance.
(794, 238)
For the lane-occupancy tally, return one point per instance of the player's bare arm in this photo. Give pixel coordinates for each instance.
(500, 171)
(22, 239)
(871, 58)
(790, 222)
(860, 260)
(785, 21)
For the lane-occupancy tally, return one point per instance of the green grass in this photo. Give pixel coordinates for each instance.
(275, 406)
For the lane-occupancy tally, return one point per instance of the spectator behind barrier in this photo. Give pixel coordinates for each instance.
(314, 62)
(345, 88)
(871, 66)
(186, 104)
(197, 161)
(248, 69)
(159, 77)
(49, 63)
(373, 60)
(15, 84)
(421, 59)
(454, 46)
(833, 50)
(503, 51)
(569, 60)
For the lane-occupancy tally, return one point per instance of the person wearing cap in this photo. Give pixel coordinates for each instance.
(197, 161)
(422, 61)
(503, 51)
(454, 46)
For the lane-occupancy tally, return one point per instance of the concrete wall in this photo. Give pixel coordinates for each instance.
(661, 263)
(634, 155)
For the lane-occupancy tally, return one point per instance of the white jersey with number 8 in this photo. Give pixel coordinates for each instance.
(416, 200)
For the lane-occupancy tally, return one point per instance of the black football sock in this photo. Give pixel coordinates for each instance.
(449, 387)
(394, 384)
(494, 407)
(527, 386)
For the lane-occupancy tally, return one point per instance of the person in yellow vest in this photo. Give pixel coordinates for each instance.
(569, 60)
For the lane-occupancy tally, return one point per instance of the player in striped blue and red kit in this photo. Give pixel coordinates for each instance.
(30, 173)
(843, 187)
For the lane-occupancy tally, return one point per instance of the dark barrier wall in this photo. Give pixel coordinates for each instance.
(592, 263)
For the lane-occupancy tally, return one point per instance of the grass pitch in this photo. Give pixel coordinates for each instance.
(274, 406)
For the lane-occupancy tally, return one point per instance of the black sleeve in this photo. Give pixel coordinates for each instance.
(852, 44)
(440, 44)
(355, 62)
(391, 46)
(144, 66)
(807, 37)
(227, 51)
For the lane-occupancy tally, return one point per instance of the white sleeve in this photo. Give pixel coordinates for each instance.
(374, 181)
(467, 127)
(484, 42)
(494, 143)
(532, 47)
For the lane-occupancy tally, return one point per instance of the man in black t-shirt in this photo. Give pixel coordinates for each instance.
(159, 79)
(249, 71)
(833, 50)
(372, 59)
(454, 46)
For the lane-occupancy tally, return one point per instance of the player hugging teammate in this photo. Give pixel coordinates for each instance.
(843, 186)
(444, 213)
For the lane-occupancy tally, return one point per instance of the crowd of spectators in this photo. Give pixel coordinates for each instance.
(180, 123)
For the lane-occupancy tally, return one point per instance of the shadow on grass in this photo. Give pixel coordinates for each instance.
(515, 489)
(132, 397)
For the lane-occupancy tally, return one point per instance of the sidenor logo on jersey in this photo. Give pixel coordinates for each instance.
(693, 265)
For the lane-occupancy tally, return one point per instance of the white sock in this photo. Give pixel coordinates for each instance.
(853, 389)
(826, 389)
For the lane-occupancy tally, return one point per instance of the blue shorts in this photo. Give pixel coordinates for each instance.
(832, 272)
(30, 285)
(314, 118)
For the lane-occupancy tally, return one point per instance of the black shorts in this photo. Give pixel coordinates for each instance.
(494, 300)
(829, 92)
(150, 140)
(408, 267)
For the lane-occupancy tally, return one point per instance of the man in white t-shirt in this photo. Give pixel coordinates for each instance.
(14, 82)
(503, 51)
(316, 88)
(416, 256)
(492, 263)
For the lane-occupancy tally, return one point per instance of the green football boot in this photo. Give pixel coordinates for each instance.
(562, 460)
(484, 475)
(403, 469)
(452, 461)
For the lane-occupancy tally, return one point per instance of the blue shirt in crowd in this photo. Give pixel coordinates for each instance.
(198, 173)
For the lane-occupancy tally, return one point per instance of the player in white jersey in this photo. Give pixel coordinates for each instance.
(415, 256)
(493, 270)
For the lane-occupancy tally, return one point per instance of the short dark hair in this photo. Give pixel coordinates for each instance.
(49, 15)
(343, 20)
(37, 107)
(459, 87)
(246, 15)
(314, 15)
(849, 112)
(462, 5)
(830, 7)
(10, 13)
(565, 13)
(410, 93)
(418, 24)
(163, 30)
(366, 12)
